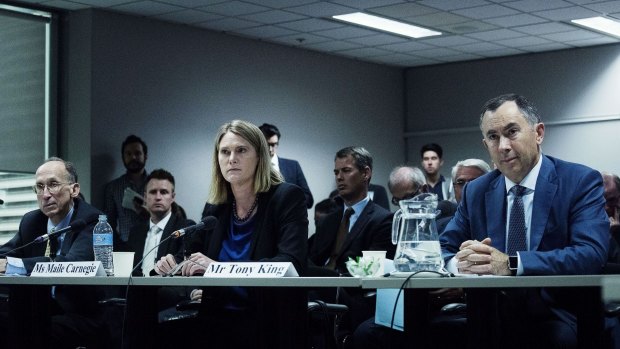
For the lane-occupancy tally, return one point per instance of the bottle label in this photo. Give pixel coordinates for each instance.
(102, 239)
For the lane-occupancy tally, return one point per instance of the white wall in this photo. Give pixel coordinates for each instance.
(576, 92)
(174, 86)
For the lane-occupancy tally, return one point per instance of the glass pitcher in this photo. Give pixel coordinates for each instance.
(414, 232)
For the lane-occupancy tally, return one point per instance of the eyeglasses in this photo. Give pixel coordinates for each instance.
(273, 145)
(52, 188)
(408, 196)
(462, 182)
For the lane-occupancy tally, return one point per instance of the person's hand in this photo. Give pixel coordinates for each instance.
(482, 259)
(165, 264)
(465, 257)
(3, 265)
(196, 295)
(196, 263)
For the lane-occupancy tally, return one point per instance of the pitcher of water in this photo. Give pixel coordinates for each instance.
(414, 232)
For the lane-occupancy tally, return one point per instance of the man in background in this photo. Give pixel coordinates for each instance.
(466, 171)
(358, 225)
(290, 169)
(164, 219)
(432, 161)
(121, 206)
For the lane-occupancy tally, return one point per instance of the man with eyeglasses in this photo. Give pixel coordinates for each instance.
(466, 171)
(57, 195)
(405, 182)
(58, 192)
(290, 169)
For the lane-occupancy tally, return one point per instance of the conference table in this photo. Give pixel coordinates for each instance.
(482, 300)
(28, 294)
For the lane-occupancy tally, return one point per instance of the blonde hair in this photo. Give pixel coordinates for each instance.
(265, 175)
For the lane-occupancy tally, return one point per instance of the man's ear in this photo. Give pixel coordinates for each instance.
(75, 191)
(367, 173)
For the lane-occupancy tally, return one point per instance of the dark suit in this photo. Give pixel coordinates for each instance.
(77, 246)
(79, 311)
(280, 235)
(569, 227)
(292, 173)
(137, 238)
(371, 231)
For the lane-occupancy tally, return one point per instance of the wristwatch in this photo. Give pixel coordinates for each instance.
(513, 264)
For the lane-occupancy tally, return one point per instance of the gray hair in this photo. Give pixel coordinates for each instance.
(479, 164)
(411, 174)
(72, 176)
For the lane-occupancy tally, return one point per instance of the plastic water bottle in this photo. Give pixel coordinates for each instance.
(102, 244)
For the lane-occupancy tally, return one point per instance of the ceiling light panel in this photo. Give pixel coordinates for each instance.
(387, 25)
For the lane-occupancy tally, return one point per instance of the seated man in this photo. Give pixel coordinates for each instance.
(358, 225)
(534, 215)
(75, 321)
(144, 237)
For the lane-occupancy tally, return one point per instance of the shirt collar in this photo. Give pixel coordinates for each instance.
(161, 224)
(274, 160)
(62, 224)
(529, 181)
(359, 206)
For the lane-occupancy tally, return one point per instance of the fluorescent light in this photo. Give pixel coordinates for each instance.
(387, 25)
(601, 24)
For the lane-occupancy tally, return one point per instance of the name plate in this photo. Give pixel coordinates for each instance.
(250, 269)
(73, 269)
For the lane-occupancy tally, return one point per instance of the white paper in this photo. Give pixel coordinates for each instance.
(128, 199)
(16, 262)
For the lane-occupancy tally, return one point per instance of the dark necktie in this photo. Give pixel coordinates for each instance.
(516, 226)
(54, 243)
(340, 237)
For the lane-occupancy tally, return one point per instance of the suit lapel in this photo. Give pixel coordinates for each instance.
(220, 231)
(140, 238)
(163, 247)
(546, 189)
(495, 203)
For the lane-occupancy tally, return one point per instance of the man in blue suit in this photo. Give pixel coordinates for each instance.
(552, 223)
(290, 169)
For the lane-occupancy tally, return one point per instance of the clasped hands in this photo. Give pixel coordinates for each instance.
(479, 257)
(197, 263)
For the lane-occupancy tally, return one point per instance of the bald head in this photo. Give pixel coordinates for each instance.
(405, 182)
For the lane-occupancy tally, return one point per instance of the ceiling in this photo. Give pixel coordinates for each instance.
(472, 29)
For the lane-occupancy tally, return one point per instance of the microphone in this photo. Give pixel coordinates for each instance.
(208, 222)
(76, 225)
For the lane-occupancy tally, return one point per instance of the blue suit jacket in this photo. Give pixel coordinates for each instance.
(292, 173)
(569, 228)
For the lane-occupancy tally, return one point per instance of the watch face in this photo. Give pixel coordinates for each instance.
(513, 262)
